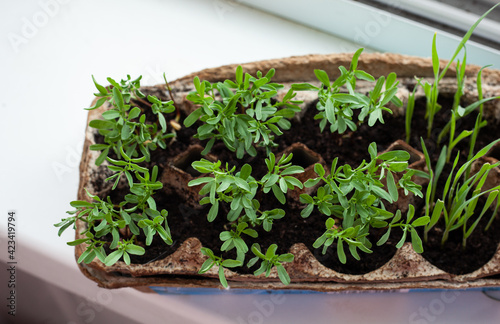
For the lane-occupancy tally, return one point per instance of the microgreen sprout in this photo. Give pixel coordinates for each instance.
(356, 196)
(239, 189)
(355, 237)
(125, 248)
(153, 226)
(103, 217)
(407, 226)
(232, 239)
(241, 113)
(337, 108)
(125, 167)
(125, 126)
(214, 260)
(269, 260)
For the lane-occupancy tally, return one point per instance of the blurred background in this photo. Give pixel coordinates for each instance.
(49, 50)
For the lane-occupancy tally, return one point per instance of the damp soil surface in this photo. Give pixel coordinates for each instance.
(187, 220)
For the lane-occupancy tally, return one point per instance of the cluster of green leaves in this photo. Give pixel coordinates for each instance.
(214, 260)
(460, 196)
(356, 197)
(408, 226)
(355, 237)
(124, 125)
(124, 220)
(241, 113)
(337, 108)
(269, 260)
(238, 190)
(137, 211)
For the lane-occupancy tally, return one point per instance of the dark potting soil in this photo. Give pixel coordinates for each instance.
(351, 147)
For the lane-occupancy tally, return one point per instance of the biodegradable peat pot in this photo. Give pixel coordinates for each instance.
(406, 268)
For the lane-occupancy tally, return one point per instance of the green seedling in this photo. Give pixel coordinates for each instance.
(271, 260)
(408, 226)
(124, 249)
(354, 237)
(432, 90)
(232, 239)
(460, 195)
(410, 107)
(137, 210)
(239, 189)
(480, 122)
(124, 126)
(241, 113)
(214, 260)
(337, 108)
(356, 196)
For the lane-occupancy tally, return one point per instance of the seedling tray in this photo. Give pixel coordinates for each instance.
(405, 270)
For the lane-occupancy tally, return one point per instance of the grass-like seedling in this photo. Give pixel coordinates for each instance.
(479, 119)
(242, 112)
(452, 142)
(337, 108)
(460, 195)
(462, 190)
(356, 197)
(410, 107)
(432, 90)
(458, 112)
